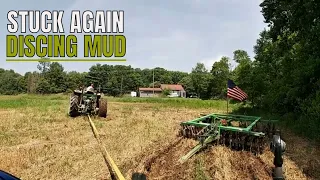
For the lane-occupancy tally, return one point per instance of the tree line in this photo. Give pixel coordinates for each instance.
(283, 77)
(116, 80)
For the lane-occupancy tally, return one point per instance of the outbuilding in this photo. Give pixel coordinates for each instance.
(149, 92)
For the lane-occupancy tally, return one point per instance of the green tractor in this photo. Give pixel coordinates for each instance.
(87, 102)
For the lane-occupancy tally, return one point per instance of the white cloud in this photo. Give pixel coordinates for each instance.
(208, 62)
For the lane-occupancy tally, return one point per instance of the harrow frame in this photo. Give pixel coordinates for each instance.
(229, 117)
(210, 128)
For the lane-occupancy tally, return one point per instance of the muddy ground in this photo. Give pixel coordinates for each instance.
(214, 162)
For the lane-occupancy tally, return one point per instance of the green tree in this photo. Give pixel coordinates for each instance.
(10, 82)
(43, 66)
(75, 79)
(220, 73)
(166, 92)
(177, 76)
(44, 87)
(243, 72)
(32, 80)
(53, 78)
(284, 78)
(200, 78)
(187, 84)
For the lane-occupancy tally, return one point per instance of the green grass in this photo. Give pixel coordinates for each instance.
(178, 102)
(200, 173)
(23, 101)
(43, 102)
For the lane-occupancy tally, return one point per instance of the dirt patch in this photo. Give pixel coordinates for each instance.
(166, 165)
(151, 160)
(222, 163)
(290, 168)
(303, 153)
(216, 162)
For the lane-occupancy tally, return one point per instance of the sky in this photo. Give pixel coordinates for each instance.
(175, 35)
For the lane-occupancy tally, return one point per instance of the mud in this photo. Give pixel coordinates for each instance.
(215, 162)
(166, 165)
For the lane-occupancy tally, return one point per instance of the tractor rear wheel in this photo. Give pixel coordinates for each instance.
(74, 106)
(102, 108)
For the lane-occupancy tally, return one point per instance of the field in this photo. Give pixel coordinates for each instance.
(39, 141)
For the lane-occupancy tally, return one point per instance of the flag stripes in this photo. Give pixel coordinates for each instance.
(235, 92)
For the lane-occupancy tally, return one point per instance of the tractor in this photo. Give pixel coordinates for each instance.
(84, 102)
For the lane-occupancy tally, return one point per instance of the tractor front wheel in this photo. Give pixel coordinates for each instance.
(102, 108)
(74, 106)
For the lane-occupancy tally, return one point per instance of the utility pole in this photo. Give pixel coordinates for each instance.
(153, 82)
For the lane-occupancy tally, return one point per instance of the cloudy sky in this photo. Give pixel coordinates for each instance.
(171, 34)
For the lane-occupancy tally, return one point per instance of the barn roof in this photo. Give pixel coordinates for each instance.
(150, 89)
(173, 87)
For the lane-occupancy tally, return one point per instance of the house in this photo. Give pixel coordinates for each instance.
(148, 92)
(176, 90)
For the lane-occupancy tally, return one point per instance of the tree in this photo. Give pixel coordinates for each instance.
(32, 80)
(53, 77)
(166, 92)
(243, 72)
(75, 79)
(187, 84)
(44, 86)
(240, 56)
(10, 82)
(43, 67)
(176, 76)
(155, 84)
(220, 73)
(200, 80)
(284, 78)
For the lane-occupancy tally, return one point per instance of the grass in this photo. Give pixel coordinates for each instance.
(178, 102)
(23, 101)
(200, 173)
(38, 140)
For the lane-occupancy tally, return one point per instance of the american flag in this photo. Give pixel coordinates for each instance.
(235, 92)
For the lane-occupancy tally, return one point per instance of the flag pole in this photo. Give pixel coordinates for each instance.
(227, 104)
(227, 100)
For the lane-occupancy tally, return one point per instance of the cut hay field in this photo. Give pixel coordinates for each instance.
(39, 141)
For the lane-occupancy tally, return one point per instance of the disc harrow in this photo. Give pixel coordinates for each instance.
(249, 133)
